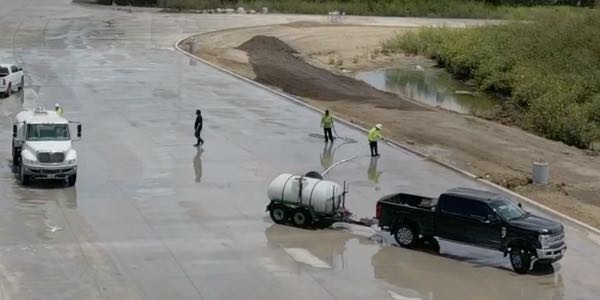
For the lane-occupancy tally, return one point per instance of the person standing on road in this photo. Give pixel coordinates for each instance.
(59, 110)
(374, 136)
(198, 128)
(327, 124)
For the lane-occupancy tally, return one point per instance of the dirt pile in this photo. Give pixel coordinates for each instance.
(277, 64)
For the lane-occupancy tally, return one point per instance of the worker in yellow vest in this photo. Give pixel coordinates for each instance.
(374, 136)
(327, 124)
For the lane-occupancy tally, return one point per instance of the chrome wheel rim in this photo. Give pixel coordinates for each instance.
(405, 236)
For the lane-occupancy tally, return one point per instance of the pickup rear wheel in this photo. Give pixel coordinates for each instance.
(279, 214)
(301, 218)
(520, 260)
(406, 236)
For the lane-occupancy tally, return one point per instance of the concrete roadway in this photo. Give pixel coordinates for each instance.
(152, 217)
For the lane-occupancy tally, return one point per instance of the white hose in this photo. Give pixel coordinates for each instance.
(340, 162)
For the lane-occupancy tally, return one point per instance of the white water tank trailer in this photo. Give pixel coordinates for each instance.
(305, 201)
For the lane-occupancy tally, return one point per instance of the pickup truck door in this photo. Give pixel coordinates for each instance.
(14, 75)
(487, 232)
(466, 221)
(451, 220)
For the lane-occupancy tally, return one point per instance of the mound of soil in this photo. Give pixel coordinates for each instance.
(277, 64)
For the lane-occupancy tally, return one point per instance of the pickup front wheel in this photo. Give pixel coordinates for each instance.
(406, 236)
(520, 260)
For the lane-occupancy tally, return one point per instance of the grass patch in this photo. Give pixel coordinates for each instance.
(405, 8)
(549, 66)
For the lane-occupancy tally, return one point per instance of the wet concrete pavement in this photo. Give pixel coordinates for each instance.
(152, 217)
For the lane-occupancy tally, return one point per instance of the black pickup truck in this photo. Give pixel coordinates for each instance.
(477, 218)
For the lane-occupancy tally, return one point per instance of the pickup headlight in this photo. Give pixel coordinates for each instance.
(72, 161)
(544, 240)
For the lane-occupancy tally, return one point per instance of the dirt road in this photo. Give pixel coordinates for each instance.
(307, 59)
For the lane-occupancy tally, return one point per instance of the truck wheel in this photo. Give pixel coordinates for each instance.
(71, 180)
(406, 236)
(429, 244)
(278, 214)
(25, 179)
(520, 260)
(301, 218)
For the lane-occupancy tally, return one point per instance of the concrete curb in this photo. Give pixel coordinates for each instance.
(392, 142)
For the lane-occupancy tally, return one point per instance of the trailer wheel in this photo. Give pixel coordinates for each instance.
(301, 218)
(278, 214)
(406, 236)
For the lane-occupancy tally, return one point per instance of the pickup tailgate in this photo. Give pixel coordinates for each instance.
(416, 209)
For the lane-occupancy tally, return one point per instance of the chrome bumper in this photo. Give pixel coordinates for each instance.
(553, 254)
(58, 172)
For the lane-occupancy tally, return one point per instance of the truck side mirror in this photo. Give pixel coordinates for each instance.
(14, 130)
(78, 130)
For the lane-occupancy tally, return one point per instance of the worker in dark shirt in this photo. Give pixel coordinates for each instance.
(198, 128)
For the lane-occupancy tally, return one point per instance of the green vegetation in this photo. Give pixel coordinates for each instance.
(549, 66)
(418, 8)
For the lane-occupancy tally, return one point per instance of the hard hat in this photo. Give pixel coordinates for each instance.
(378, 126)
(57, 105)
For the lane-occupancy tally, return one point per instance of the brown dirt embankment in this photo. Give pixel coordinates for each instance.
(311, 60)
(277, 64)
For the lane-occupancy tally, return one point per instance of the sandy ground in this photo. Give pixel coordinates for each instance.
(497, 152)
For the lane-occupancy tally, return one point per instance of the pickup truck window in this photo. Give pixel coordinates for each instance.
(507, 210)
(465, 208)
(47, 132)
(4, 72)
(14, 69)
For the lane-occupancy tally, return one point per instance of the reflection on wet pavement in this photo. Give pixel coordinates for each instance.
(413, 274)
(372, 172)
(198, 163)
(327, 156)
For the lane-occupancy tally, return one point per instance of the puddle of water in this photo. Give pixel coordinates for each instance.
(423, 82)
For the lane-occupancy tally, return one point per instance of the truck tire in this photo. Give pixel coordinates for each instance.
(72, 180)
(520, 260)
(278, 214)
(301, 218)
(25, 179)
(406, 236)
(429, 244)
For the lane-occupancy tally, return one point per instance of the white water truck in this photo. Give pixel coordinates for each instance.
(308, 201)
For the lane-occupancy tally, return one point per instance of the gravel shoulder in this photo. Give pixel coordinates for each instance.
(314, 61)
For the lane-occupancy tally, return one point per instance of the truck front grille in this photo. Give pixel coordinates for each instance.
(556, 240)
(47, 157)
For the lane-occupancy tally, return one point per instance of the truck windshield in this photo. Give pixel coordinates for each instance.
(507, 209)
(48, 132)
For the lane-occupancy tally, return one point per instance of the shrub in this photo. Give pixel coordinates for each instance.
(549, 66)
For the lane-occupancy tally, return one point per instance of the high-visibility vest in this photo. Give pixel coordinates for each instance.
(374, 135)
(327, 121)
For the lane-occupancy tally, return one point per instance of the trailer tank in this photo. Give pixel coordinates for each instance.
(322, 196)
